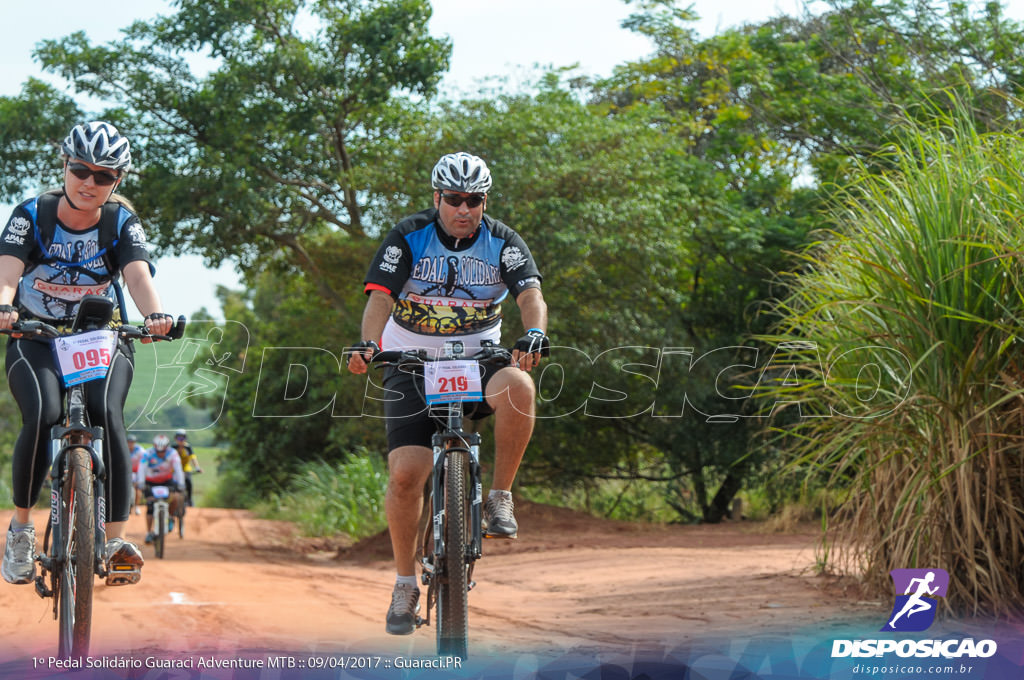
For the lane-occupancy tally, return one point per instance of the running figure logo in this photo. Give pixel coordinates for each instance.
(915, 609)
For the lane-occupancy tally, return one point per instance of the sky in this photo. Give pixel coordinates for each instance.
(491, 38)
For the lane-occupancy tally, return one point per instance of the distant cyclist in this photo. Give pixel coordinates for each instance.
(136, 451)
(189, 462)
(56, 248)
(160, 466)
(439, 275)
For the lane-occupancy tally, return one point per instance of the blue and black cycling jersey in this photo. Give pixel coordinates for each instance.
(69, 263)
(445, 286)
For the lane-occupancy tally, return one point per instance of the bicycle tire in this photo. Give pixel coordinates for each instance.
(453, 589)
(76, 574)
(160, 525)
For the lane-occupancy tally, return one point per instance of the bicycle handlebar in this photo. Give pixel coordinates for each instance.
(488, 354)
(41, 329)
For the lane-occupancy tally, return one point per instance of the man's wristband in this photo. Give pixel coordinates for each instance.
(536, 330)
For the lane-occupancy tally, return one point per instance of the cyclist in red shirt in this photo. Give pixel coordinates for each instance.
(160, 466)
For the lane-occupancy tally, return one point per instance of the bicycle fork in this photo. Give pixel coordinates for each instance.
(51, 559)
(433, 569)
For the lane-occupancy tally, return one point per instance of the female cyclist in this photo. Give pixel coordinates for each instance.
(55, 249)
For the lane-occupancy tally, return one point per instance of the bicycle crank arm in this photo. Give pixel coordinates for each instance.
(41, 589)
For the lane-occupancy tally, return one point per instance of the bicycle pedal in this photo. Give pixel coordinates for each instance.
(507, 537)
(123, 575)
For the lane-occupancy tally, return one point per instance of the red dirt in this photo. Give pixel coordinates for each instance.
(237, 584)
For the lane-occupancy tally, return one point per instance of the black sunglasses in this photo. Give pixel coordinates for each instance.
(471, 201)
(101, 177)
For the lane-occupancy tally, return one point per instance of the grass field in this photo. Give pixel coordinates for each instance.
(209, 461)
(159, 397)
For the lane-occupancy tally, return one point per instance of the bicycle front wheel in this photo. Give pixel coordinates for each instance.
(452, 601)
(160, 528)
(76, 574)
(179, 518)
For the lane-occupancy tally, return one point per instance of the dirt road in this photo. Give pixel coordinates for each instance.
(239, 585)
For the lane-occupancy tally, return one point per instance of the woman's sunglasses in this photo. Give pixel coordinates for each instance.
(455, 200)
(101, 177)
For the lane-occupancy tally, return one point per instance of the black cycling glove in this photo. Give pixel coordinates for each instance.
(366, 344)
(534, 341)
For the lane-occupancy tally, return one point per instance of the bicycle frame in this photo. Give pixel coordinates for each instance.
(161, 511)
(75, 435)
(450, 438)
(74, 542)
(448, 569)
(161, 517)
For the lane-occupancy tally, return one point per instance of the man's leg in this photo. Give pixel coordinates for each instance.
(408, 470)
(512, 395)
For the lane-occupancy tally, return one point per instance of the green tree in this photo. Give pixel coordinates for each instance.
(280, 140)
(261, 134)
(32, 125)
(295, 402)
(768, 117)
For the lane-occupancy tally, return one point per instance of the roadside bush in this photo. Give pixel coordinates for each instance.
(326, 499)
(903, 334)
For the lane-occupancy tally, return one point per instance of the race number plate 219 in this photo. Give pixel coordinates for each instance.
(85, 356)
(452, 381)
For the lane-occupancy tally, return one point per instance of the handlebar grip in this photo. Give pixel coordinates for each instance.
(33, 327)
(178, 329)
(388, 356)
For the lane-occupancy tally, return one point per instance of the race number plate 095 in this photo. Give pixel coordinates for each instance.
(452, 381)
(85, 356)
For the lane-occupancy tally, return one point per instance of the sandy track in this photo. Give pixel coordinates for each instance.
(237, 584)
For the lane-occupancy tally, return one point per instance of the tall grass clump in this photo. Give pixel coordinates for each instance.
(900, 347)
(327, 499)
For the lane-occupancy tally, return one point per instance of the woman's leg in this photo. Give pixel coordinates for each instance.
(38, 390)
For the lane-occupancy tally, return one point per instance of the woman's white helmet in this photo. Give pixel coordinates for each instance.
(98, 143)
(461, 172)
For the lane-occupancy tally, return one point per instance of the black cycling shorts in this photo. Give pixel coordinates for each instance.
(408, 421)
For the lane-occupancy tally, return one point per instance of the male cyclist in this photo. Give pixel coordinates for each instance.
(439, 275)
(136, 451)
(189, 461)
(160, 466)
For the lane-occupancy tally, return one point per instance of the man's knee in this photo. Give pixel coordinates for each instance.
(408, 469)
(512, 389)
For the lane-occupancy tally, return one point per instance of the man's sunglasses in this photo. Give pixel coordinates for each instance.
(101, 177)
(471, 201)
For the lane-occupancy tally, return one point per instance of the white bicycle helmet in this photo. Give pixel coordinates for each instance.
(461, 172)
(160, 442)
(98, 143)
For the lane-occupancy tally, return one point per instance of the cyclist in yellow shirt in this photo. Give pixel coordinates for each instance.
(189, 462)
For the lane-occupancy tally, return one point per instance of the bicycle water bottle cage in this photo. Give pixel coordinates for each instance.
(94, 311)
